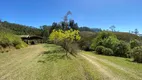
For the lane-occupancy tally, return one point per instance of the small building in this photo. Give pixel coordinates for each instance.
(31, 39)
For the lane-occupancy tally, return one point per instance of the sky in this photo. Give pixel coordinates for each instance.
(124, 14)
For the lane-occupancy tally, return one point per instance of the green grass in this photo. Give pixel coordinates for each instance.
(48, 62)
(54, 65)
(121, 67)
(44, 63)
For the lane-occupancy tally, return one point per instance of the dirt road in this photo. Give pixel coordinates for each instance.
(15, 62)
(106, 68)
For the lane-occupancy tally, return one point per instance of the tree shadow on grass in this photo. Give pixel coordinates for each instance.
(129, 60)
(133, 61)
(54, 56)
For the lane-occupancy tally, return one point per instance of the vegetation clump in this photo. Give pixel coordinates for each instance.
(100, 39)
(85, 41)
(99, 49)
(121, 49)
(66, 39)
(107, 51)
(9, 39)
(135, 43)
(103, 50)
(137, 54)
(110, 45)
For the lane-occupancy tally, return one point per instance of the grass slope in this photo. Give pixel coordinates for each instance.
(119, 68)
(44, 63)
(47, 62)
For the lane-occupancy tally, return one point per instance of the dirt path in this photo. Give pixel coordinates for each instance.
(107, 71)
(24, 64)
(11, 64)
(100, 68)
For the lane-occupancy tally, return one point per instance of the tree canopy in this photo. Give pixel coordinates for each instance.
(65, 38)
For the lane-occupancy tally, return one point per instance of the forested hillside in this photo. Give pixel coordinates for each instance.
(19, 29)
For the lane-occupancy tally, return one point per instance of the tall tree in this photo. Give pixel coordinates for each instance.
(66, 24)
(63, 24)
(136, 31)
(45, 32)
(112, 28)
(66, 19)
(73, 25)
(54, 26)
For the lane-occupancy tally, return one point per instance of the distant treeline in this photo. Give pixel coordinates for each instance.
(44, 31)
(19, 29)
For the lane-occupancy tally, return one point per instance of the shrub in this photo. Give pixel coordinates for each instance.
(107, 51)
(99, 49)
(135, 43)
(110, 42)
(98, 41)
(9, 39)
(18, 46)
(137, 54)
(4, 42)
(21, 45)
(129, 54)
(121, 49)
(103, 50)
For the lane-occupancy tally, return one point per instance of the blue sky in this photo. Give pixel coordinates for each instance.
(124, 14)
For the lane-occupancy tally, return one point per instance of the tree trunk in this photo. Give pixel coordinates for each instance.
(66, 53)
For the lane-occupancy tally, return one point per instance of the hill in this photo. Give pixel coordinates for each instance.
(120, 35)
(19, 29)
(126, 36)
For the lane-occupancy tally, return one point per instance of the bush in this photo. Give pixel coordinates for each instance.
(129, 54)
(121, 49)
(110, 42)
(98, 41)
(137, 54)
(103, 50)
(9, 39)
(135, 43)
(107, 51)
(21, 45)
(99, 49)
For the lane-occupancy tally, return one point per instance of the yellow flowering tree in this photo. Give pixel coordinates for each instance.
(65, 39)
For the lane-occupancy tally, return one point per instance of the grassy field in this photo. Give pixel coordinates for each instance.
(43, 62)
(48, 62)
(115, 68)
